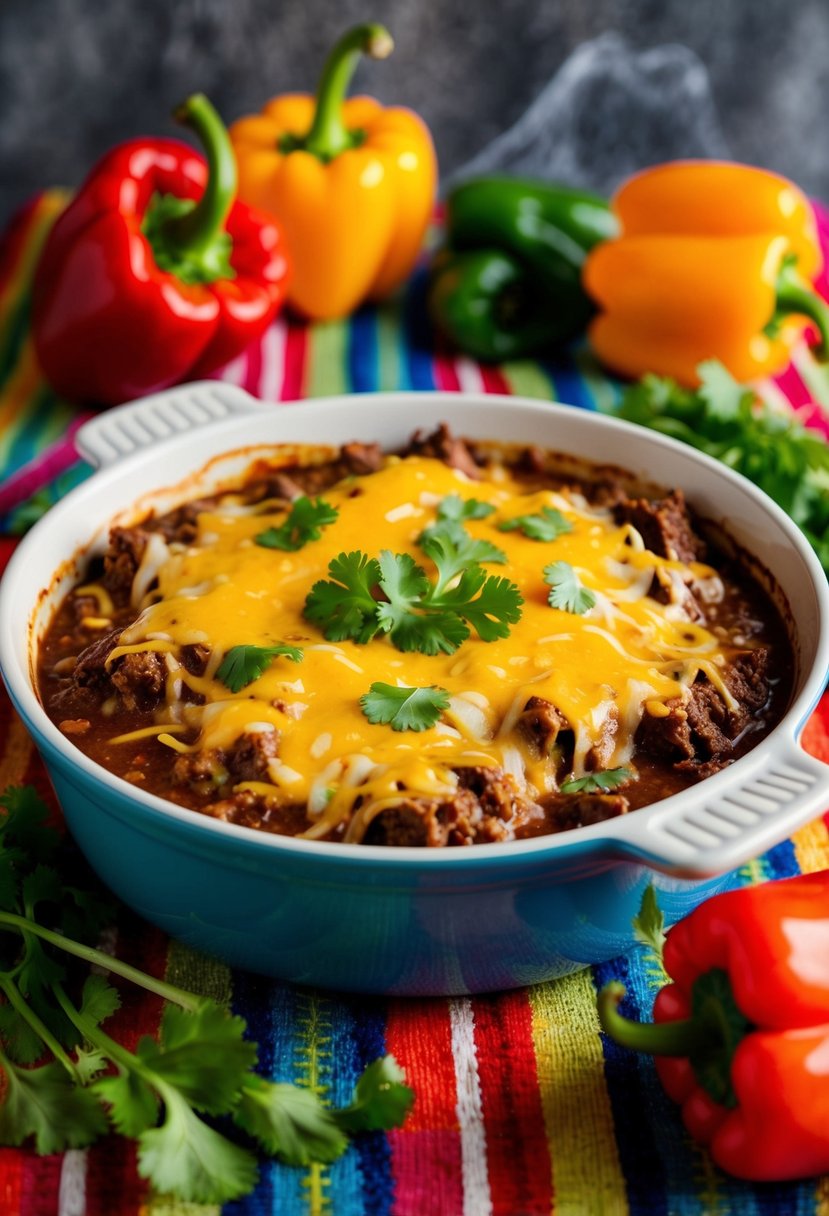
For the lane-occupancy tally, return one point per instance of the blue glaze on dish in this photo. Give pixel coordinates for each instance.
(327, 919)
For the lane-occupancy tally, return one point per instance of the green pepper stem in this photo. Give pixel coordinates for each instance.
(680, 1038)
(796, 296)
(197, 230)
(179, 996)
(329, 136)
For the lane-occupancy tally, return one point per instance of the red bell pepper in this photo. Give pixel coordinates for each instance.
(154, 273)
(747, 1020)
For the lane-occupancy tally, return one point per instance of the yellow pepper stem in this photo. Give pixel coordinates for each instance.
(329, 136)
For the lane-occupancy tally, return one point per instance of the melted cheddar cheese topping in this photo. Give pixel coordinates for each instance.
(626, 656)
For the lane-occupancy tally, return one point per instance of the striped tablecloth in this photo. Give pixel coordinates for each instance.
(522, 1106)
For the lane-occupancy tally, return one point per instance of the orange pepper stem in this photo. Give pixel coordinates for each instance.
(796, 296)
(329, 136)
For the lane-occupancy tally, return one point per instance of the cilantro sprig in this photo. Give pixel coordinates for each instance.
(303, 523)
(547, 525)
(404, 708)
(597, 783)
(566, 590)
(68, 1081)
(729, 422)
(242, 665)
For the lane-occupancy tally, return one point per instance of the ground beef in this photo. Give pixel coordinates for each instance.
(248, 757)
(203, 771)
(492, 788)
(566, 811)
(122, 559)
(443, 445)
(542, 723)
(139, 679)
(702, 732)
(663, 525)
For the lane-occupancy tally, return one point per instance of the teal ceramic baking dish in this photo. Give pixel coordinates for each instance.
(365, 918)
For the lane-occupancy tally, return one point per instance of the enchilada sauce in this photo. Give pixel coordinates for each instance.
(520, 752)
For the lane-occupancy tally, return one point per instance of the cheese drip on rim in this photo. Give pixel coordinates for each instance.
(627, 656)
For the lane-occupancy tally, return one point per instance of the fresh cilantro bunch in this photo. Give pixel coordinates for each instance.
(393, 594)
(69, 1082)
(727, 420)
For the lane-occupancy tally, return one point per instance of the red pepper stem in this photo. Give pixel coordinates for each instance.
(795, 296)
(196, 231)
(329, 136)
(680, 1038)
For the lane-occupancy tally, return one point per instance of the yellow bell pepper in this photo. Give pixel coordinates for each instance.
(352, 184)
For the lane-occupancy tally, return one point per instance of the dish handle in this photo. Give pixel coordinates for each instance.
(119, 432)
(736, 820)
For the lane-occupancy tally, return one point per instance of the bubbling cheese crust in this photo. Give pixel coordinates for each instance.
(628, 656)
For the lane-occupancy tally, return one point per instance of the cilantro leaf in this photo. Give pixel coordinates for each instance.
(20, 1041)
(244, 664)
(547, 525)
(649, 924)
(405, 583)
(25, 824)
(304, 522)
(382, 1099)
(345, 606)
(453, 507)
(186, 1158)
(453, 550)
(488, 603)
(595, 783)
(202, 1054)
(289, 1121)
(133, 1106)
(404, 708)
(99, 1000)
(45, 1103)
(566, 592)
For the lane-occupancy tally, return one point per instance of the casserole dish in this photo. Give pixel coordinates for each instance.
(405, 920)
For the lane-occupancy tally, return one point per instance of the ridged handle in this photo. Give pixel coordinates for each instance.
(126, 429)
(784, 790)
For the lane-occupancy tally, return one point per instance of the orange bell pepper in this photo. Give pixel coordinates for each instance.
(351, 184)
(715, 261)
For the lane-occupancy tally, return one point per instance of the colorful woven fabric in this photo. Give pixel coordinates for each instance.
(522, 1107)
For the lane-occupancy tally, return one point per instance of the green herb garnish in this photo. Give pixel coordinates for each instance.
(404, 708)
(649, 924)
(547, 525)
(595, 783)
(416, 613)
(69, 1082)
(243, 664)
(457, 509)
(304, 522)
(729, 422)
(566, 592)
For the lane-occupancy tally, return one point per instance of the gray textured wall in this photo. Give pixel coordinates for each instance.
(76, 75)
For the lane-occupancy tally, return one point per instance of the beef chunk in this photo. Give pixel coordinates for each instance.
(204, 771)
(701, 733)
(434, 823)
(122, 559)
(140, 679)
(90, 671)
(362, 458)
(282, 485)
(542, 723)
(492, 788)
(443, 445)
(663, 525)
(566, 811)
(180, 525)
(194, 658)
(247, 759)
